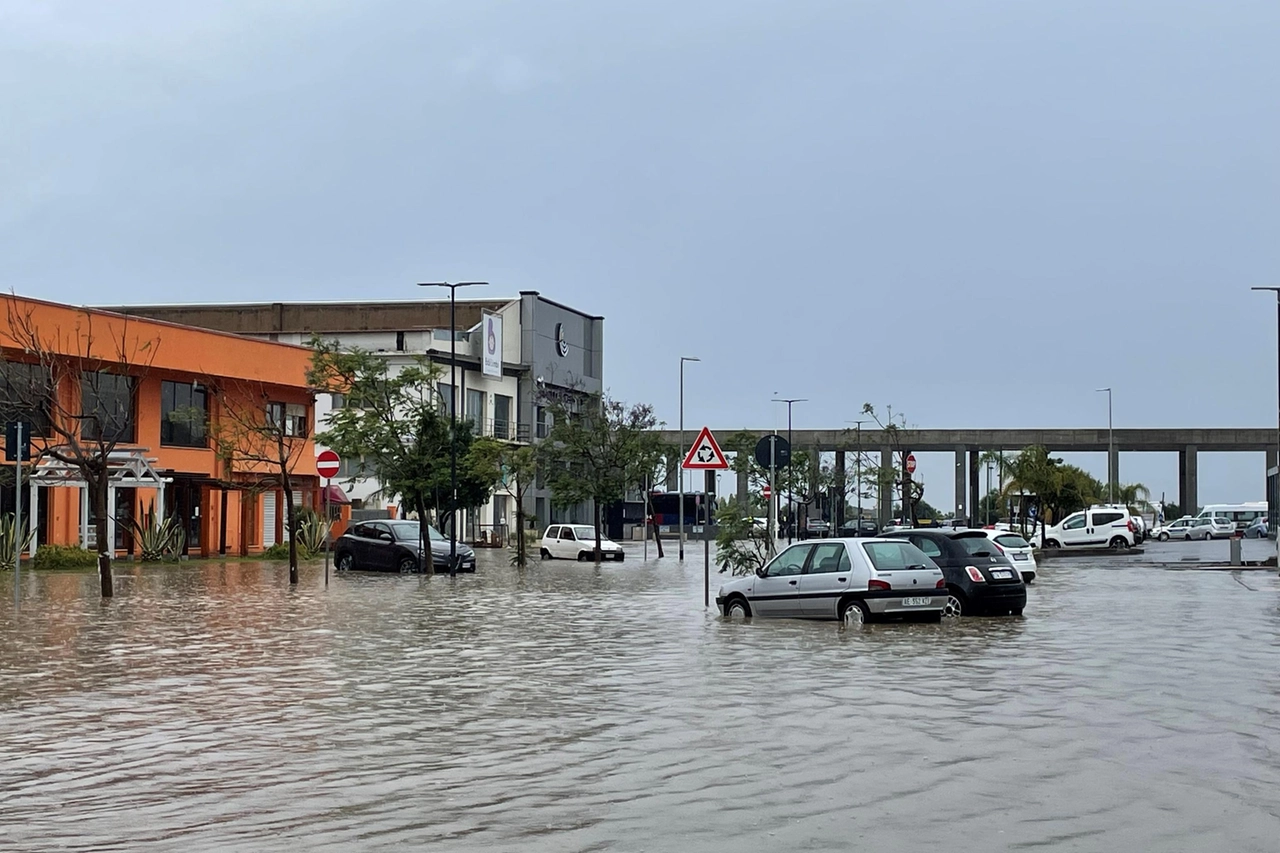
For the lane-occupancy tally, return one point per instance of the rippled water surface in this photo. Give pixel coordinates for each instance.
(210, 707)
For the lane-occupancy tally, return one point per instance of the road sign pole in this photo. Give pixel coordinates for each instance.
(17, 519)
(773, 494)
(327, 483)
(708, 488)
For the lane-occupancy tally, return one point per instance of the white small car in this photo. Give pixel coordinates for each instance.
(852, 580)
(577, 542)
(1013, 546)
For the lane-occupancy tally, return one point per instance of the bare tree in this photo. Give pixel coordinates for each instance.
(78, 386)
(265, 438)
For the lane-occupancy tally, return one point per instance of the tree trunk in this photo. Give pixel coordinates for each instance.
(102, 531)
(649, 522)
(522, 556)
(426, 559)
(596, 505)
(291, 521)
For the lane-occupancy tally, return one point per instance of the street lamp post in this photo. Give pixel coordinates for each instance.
(857, 467)
(453, 419)
(680, 511)
(1272, 509)
(791, 513)
(1111, 450)
(990, 465)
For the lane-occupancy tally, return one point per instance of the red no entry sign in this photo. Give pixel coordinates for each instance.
(327, 464)
(911, 463)
(767, 492)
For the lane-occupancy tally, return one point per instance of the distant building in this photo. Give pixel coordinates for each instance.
(542, 349)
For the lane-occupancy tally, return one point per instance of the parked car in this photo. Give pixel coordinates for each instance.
(1212, 528)
(1093, 528)
(855, 528)
(816, 528)
(853, 580)
(1174, 530)
(577, 542)
(1013, 546)
(1257, 529)
(980, 579)
(391, 546)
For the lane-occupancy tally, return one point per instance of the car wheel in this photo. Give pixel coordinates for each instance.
(955, 606)
(1187, 537)
(584, 556)
(853, 614)
(1118, 543)
(1017, 612)
(737, 608)
(1028, 577)
(1163, 537)
(619, 558)
(546, 555)
(408, 565)
(1052, 543)
(344, 561)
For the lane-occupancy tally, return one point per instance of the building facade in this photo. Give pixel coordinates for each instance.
(513, 356)
(181, 417)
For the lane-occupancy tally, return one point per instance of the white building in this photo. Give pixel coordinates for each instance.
(533, 347)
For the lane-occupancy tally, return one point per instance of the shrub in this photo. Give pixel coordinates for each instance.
(64, 557)
(278, 551)
(159, 540)
(7, 541)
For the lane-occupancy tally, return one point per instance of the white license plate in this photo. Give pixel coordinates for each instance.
(916, 602)
(1019, 555)
(1002, 574)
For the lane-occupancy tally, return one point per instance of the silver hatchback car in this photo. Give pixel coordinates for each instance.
(853, 580)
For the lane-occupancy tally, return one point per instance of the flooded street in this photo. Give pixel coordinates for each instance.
(571, 708)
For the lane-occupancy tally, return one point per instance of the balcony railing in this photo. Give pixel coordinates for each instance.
(505, 430)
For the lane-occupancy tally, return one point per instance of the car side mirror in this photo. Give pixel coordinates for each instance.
(762, 572)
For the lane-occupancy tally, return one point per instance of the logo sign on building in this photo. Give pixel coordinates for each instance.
(562, 346)
(491, 363)
(327, 464)
(705, 454)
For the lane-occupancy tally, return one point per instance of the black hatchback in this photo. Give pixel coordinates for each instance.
(981, 581)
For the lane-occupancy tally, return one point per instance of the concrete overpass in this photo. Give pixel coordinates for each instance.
(969, 444)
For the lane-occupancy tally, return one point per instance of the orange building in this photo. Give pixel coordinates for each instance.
(190, 423)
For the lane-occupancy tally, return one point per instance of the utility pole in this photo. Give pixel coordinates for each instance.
(1111, 449)
(1272, 508)
(453, 419)
(791, 514)
(680, 511)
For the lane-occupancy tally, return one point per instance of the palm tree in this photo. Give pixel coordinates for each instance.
(1134, 495)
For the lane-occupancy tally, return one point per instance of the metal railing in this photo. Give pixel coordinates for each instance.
(505, 430)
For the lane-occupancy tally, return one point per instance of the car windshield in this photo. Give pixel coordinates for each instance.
(407, 531)
(1012, 541)
(584, 532)
(979, 546)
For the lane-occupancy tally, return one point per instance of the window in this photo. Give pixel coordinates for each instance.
(291, 417)
(24, 394)
(399, 341)
(1012, 541)
(896, 556)
(1102, 519)
(790, 561)
(183, 414)
(502, 417)
(828, 558)
(566, 535)
(978, 546)
(106, 402)
(1075, 522)
(362, 531)
(473, 408)
(928, 546)
(445, 391)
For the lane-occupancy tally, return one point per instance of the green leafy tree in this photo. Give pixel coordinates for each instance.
(394, 422)
(742, 546)
(518, 468)
(894, 478)
(598, 450)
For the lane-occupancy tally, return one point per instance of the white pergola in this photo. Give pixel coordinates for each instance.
(127, 469)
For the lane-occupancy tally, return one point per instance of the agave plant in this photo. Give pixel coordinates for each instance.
(159, 539)
(312, 532)
(8, 542)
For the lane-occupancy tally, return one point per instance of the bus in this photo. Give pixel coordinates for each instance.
(666, 508)
(1242, 514)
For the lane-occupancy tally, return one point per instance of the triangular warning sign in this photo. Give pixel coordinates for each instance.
(705, 454)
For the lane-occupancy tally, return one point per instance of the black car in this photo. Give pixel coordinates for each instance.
(865, 529)
(981, 580)
(393, 546)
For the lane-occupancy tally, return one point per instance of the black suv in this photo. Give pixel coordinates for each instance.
(981, 580)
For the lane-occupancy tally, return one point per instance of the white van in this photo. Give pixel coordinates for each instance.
(1097, 527)
(1242, 514)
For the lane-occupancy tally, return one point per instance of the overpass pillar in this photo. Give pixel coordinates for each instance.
(884, 491)
(1271, 463)
(744, 489)
(971, 511)
(815, 462)
(673, 473)
(961, 483)
(840, 493)
(1113, 466)
(1188, 480)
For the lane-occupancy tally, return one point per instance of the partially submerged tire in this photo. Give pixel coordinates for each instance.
(956, 605)
(1118, 543)
(344, 562)
(1052, 543)
(546, 555)
(853, 614)
(408, 565)
(737, 608)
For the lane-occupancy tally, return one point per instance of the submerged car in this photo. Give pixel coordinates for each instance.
(981, 581)
(577, 542)
(853, 580)
(395, 546)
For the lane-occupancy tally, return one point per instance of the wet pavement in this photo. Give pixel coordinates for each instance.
(571, 708)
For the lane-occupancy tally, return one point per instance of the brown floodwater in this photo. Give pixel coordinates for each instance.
(570, 708)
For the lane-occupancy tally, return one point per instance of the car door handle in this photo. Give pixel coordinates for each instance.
(841, 580)
(793, 583)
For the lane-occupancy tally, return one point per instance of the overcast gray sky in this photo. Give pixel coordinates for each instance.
(846, 201)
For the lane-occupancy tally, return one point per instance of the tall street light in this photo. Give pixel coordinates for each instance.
(1272, 509)
(791, 513)
(857, 465)
(1111, 449)
(680, 516)
(453, 419)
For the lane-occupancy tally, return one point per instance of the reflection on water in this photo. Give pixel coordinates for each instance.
(211, 707)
